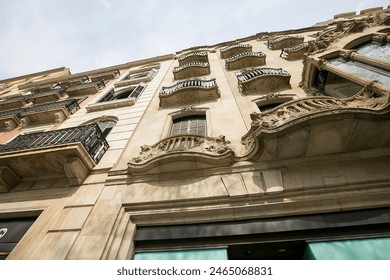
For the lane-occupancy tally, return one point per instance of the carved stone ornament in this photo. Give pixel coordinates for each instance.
(306, 108)
(342, 29)
(192, 148)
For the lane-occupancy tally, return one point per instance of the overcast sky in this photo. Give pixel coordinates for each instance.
(37, 35)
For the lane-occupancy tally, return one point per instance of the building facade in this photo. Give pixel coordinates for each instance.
(273, 146)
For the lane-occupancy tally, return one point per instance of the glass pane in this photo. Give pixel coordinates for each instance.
(189, 125)
(375, 50)
(363, 249)
(362, 70)
(206, 254)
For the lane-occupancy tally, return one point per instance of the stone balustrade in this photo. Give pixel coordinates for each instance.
(193, 56)
(235, 49)
(263, 80)
(245, 60)
(284, 41)
(191, 69)
(189, 92)
(295, 52)
(313, 106)
(188, 84)
(207, 150)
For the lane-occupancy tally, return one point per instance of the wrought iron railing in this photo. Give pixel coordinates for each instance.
(99, 84)
(90, 136)
(15, 98)
(254, 73)
(189, 84)
(74, 81)
(60, 91)
(70, 105)
(103, 74)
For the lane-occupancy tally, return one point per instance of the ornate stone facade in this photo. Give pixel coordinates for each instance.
(257, 162)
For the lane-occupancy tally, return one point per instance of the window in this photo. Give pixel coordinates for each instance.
(189, 125)
(129, 92)
(106, 127)
(11, 232)
(344, 73)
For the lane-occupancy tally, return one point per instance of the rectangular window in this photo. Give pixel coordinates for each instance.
(198, 254)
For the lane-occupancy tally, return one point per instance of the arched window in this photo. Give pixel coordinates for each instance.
(105, 124)
(106, 127)
(189, 125)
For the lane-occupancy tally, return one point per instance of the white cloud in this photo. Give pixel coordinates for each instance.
(82, 35)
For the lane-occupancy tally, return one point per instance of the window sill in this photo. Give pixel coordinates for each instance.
(111, 104)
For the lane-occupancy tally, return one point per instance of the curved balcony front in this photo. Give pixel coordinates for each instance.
(189, 92)
(295, 52)
(263, 80)
(321, 125)
(245, 60)
(191, 70)
(234, 49)
(194, 56)
(284, 42)
(182, 152)
(58, 154)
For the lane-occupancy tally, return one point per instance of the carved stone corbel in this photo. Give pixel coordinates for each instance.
(76, 171)
(8, 179)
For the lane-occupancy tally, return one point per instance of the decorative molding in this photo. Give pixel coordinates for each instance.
(198, 151)
(312, 107)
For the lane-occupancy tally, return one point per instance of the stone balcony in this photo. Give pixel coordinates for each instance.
(85, 89)
(13, 102)
(46, 113)
(194, 56)
(234, 49)
(295, 52)
(42, 87)
(321, 125)
(284, 42)
(59, 154)
(182, 152)
(74, 81)
(191, 70)
(245, 60)
(10, 119)
(189, 92)
(109, 75)
(263, 80)
(47, 96)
